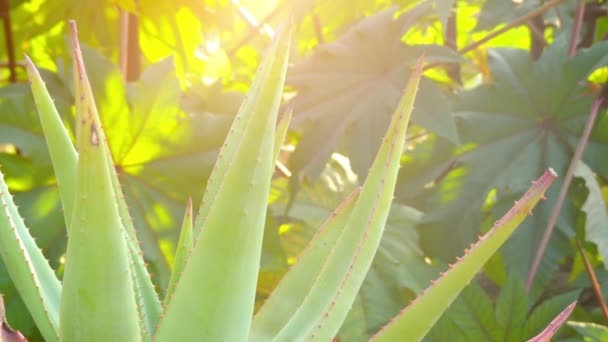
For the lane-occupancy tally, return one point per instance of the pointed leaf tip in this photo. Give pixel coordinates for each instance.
(556, 323)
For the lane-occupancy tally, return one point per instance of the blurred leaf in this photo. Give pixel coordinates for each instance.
(350, 88)
(590, 331)
(529, 119)
(596, 218)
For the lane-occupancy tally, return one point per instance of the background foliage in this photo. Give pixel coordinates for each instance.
(169, 76)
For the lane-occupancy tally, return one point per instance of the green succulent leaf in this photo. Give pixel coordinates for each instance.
(35, 280)
(471, 315)
(65, 158)
(324, 309)
(97, 282)
(217, 287)
(184, 246)
(544, 314)
(63, 154)
(293, 288)
(418, 318)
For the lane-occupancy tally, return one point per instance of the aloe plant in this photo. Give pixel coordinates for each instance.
(106, 293)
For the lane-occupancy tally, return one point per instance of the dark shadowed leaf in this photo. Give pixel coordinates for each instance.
(348, 89)
(528, 119)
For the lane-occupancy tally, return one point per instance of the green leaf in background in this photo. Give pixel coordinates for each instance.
(591, 332)
(474, 317)
(596, 218)
(349, 88)
(527, 119)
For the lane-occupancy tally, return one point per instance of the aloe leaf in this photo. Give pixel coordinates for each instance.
(281, 132)
(214, 298)
(65, 159)
(553, 327)
(98, 301)
(148, 302)
(31, 273)
(63, 154)
(184, 246)
(324, 309)
(417, 318)
(293, 288)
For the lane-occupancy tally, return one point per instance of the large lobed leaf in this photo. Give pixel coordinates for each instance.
(529, 118)
(348, 89)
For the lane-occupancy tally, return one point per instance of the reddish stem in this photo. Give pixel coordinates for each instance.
(564, 190)
(8, 38)
(519, 21)
(597, 289)
(576, 30)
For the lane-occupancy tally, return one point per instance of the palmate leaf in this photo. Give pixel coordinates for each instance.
(473, 317)
(350, 87)
(530, 118)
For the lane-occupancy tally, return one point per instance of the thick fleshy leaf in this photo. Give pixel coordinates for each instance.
(553, 327)
(398, 265)
(350, 87)
(217, 287)
(62, 151)
(64, 158)
(34, 278)
(98, 301)
(544, 315)
(471, 316)
(184, 246)
(293, 288)
(324, 309)
(418, 318)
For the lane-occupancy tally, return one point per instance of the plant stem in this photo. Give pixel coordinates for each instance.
(8, 38)
(597, 290)
(318, 29)
(576, 30)
(519, 21)
(254, 30)
(564, 190)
